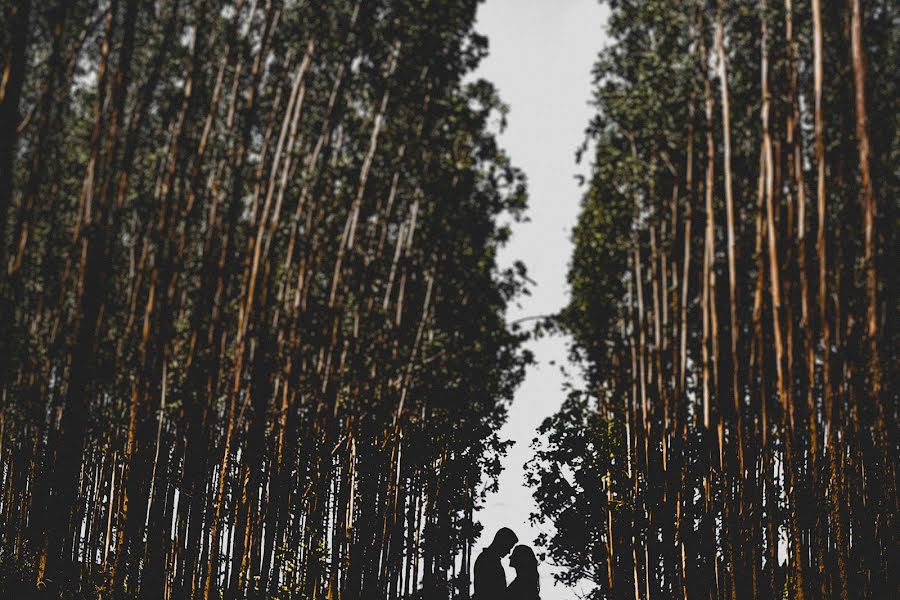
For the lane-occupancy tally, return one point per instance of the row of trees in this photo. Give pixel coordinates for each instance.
(731, 305)
(252, 338)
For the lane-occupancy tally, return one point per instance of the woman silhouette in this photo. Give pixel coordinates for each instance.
(526, 585)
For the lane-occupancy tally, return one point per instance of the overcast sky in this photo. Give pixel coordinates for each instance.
(541, 53)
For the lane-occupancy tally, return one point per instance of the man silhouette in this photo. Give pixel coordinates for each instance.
(490, 578)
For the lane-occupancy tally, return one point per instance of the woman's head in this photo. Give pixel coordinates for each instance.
(523, 558)
(525, 563)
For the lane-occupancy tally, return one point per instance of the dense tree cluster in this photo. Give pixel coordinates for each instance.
(252, 339)
(731, 304)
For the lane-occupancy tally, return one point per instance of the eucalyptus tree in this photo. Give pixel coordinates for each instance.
(732, 443)
(253, 322)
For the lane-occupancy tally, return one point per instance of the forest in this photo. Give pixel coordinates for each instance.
(733, 309)
(252, 339)
(254, 333)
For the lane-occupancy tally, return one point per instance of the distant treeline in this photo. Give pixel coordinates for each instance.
(252, 339)
(734, 306)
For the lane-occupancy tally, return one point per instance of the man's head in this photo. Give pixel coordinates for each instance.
(504, 541)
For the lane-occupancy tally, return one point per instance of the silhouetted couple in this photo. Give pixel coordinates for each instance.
(490, 578)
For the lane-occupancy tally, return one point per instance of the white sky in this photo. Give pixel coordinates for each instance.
(541, 53)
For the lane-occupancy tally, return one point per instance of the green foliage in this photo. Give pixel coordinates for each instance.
(252, 266)
(659, 477)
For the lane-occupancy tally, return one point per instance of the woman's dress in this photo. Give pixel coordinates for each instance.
(521, 590)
